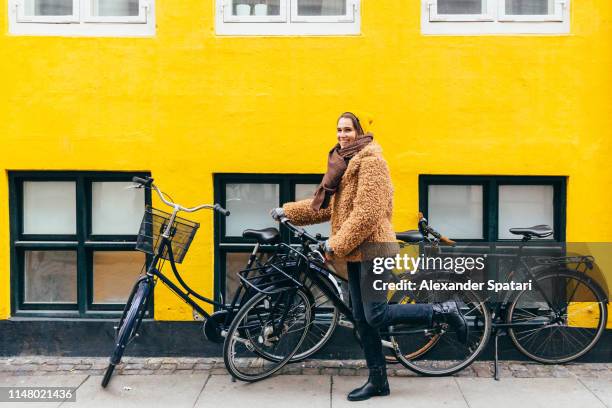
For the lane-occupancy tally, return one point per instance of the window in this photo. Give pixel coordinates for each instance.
(72, 242)
(288, 17)
(250, 199)
(473, 17)
(484, 208)
(82, 17)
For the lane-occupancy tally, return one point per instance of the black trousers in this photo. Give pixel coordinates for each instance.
(372, 312)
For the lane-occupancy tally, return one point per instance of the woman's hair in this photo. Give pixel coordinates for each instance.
(355, 120)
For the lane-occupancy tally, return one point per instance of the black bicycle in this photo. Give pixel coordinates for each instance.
(167, 237)
(562, 316)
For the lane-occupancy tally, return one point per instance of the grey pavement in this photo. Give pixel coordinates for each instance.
(205, 389)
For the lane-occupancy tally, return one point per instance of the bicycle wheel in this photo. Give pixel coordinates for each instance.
(266, 333)
(562, 320)
(324, 320)
(129, 324)
(436, 351)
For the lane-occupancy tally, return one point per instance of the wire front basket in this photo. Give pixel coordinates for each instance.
(154, 223)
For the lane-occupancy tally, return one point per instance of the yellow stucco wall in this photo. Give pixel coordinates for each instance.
(186, 104)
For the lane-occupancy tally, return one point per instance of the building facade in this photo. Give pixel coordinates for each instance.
(491, 114)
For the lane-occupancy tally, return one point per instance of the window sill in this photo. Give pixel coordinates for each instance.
(479, 28)
(82, 29)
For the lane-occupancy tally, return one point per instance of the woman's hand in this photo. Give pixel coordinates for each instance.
(328, 250)
(277, 213)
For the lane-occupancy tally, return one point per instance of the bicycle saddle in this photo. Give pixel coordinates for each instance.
(410, 236)
(263, 236)
(540, 231)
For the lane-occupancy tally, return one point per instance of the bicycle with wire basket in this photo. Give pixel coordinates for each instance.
(167, 237)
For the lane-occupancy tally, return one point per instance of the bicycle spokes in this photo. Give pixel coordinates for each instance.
(559, 322)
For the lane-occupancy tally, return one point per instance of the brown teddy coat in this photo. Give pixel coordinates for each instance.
(360, 211)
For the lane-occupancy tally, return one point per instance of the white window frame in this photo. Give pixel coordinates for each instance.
(82, 23)
(500, 23)
(559, 10)
(489, 15)
(288, 23)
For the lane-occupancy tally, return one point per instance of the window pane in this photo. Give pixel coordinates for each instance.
(530, 7)
(524, 206)
(48, 7)
(116, 210)
(49, 207)
(50, 277)
(114, 274)
(460, 7)
(114, 8)
(234, 263)
(303, 191)
(456, 211)
(250, 205)
(321, 7)
(256, 7)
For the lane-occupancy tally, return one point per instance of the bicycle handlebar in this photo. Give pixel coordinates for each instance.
(425, 228)
(148, 183)
(301, 232)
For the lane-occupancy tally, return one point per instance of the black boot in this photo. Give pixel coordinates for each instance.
(376, 386)
(449, 313)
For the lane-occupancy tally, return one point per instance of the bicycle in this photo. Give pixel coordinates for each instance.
(545, 324)
(406, 343)
(167, 237)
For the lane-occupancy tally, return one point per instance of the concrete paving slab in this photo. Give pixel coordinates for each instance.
(296, 391)
(176, 391)
(405, 392)
(527, 393)
(7, 380)
(602, 388)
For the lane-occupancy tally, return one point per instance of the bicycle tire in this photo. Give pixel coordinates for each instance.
(128, 325)
(600, 299)
(235, 363)
(415, 359)
(318, 337)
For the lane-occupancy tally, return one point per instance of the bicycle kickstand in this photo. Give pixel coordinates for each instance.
(498, 333)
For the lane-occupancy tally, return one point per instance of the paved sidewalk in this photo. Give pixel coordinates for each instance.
(209, 390)
(203, 382)
(42, 365)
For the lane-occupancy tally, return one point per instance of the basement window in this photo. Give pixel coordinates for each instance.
(288, 17)
(478, 17)
(95, 18)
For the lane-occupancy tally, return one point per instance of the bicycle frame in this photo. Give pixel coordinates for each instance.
(185, 291)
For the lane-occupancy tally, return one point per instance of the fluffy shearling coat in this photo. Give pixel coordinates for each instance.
(361, 209)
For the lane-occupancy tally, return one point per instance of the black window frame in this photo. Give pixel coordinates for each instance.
(224, 245)
(84, 243)
(490, 189)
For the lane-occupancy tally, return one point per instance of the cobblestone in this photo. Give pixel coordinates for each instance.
(45, 365)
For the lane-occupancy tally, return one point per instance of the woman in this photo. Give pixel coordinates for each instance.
(356, 194)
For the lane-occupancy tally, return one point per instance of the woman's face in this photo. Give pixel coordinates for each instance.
(346, 132)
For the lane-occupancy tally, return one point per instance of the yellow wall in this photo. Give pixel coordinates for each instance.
(186, 104)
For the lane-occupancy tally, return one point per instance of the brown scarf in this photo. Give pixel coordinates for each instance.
(337, 162)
